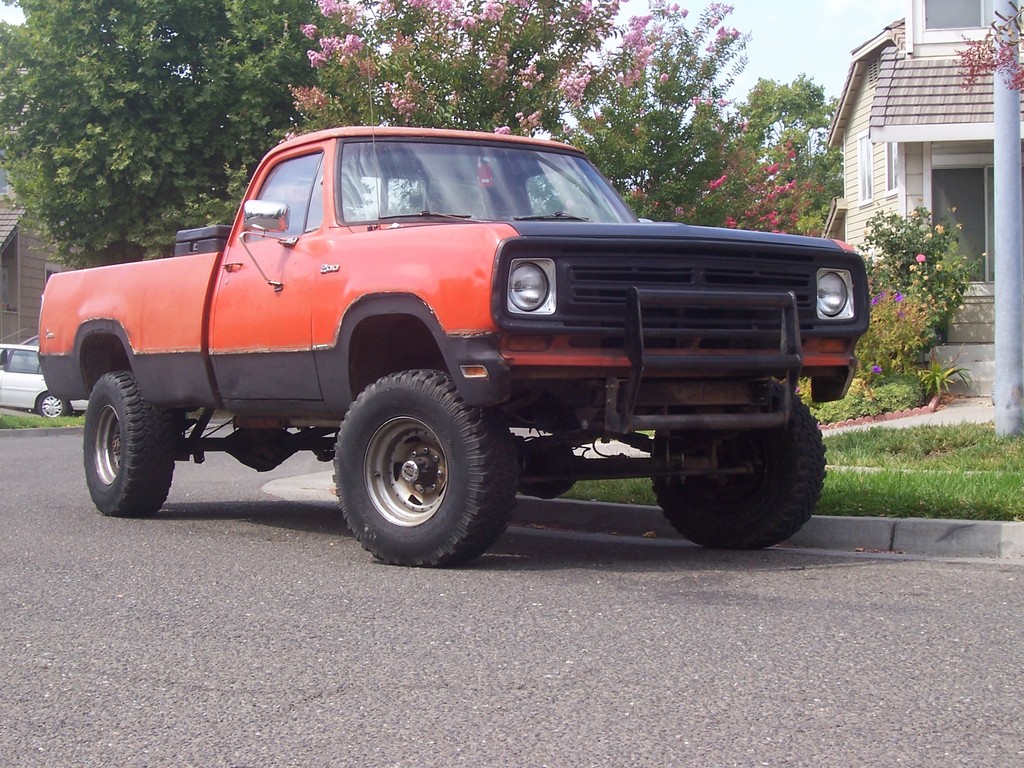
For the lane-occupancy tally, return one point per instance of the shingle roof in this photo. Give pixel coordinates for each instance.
(9, 218)
(927, 92)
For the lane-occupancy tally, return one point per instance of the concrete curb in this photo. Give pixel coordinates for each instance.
(941, 538)
(41, 431)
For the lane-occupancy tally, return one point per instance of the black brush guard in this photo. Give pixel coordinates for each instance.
(756, 364)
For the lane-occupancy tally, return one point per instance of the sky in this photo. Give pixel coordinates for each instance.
(789, 37)
(811, 37)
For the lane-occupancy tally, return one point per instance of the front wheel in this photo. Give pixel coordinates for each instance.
(423, 478)
(759, 509)
(129, 449)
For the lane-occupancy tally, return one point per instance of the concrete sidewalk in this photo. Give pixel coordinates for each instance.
(943, 538)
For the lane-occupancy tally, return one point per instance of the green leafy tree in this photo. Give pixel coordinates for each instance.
(121, 122)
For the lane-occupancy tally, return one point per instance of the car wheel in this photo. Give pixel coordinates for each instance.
(759, 509)
(51, 406)
(129, 449)
(423, 478)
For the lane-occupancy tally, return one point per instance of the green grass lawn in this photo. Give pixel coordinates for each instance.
(30, 421)
(962, 472)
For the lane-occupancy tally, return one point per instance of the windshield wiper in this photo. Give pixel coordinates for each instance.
(426, 215)
(557, 215)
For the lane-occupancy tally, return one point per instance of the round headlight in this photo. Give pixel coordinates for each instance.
(832, 294)
(527, 287)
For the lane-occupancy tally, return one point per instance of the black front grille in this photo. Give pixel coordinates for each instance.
(594, 290)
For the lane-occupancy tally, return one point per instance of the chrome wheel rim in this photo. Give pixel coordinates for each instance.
(405, 471)
(108, 446)
(51, 407)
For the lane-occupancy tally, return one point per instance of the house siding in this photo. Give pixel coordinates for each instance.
(27, 261)
(858, 214)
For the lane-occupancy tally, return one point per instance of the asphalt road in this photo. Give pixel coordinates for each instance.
(236, 629)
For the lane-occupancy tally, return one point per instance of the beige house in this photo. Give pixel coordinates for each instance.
(25, 266)
(913, 135)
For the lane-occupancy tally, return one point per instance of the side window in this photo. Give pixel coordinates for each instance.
(23, 361)
(297, 182)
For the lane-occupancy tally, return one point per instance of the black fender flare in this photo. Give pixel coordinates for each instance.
(333, 364)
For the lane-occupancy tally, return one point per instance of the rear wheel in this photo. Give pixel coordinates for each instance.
(129, 449)
(760, 509)
(423, 478)
(51, 406)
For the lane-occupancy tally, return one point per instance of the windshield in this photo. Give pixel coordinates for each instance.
(388, 179)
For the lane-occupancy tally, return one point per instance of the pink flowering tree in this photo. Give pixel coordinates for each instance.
(997, 51)
(504, 65)
(657, 120)
(781, 174)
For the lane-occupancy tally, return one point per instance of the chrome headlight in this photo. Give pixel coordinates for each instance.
(835, 294)
(531, 287)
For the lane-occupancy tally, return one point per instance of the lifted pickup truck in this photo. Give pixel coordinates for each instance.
(450, 318)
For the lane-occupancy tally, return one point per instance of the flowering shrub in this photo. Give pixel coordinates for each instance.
(511, 65)
(897, 334)
(920, 260)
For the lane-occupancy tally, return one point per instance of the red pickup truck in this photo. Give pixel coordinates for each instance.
(451, 317)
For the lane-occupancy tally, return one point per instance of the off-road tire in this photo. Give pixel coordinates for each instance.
(129, 449)
(445, 504)
(752, 511)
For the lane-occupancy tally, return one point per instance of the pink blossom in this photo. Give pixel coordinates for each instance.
(503, 130)
(309, 30)
(663, 78)
(529, 122)
(529, 76)
(717, 182)
(493, 11)
(330, 7)
(573, 85)
(921, 258)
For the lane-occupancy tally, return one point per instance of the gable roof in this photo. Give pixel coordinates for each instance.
(915, 99)
(864, 55)
(9, 218)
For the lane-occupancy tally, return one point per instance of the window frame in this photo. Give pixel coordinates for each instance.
(865, 169)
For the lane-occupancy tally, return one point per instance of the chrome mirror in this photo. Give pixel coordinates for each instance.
(264, 216)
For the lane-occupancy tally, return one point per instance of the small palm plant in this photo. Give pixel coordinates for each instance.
(937, 377)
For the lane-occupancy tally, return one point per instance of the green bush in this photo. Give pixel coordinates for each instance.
(886, 394)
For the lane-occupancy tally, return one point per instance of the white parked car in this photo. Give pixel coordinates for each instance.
(22, 384)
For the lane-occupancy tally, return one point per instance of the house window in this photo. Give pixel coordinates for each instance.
(5, 289)
(957, 14)
(865, 168)
(892, 172)
(963, 196)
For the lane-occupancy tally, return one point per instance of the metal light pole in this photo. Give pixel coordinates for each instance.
(1008, 387)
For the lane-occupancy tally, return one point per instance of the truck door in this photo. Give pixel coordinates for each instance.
(260, 327)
